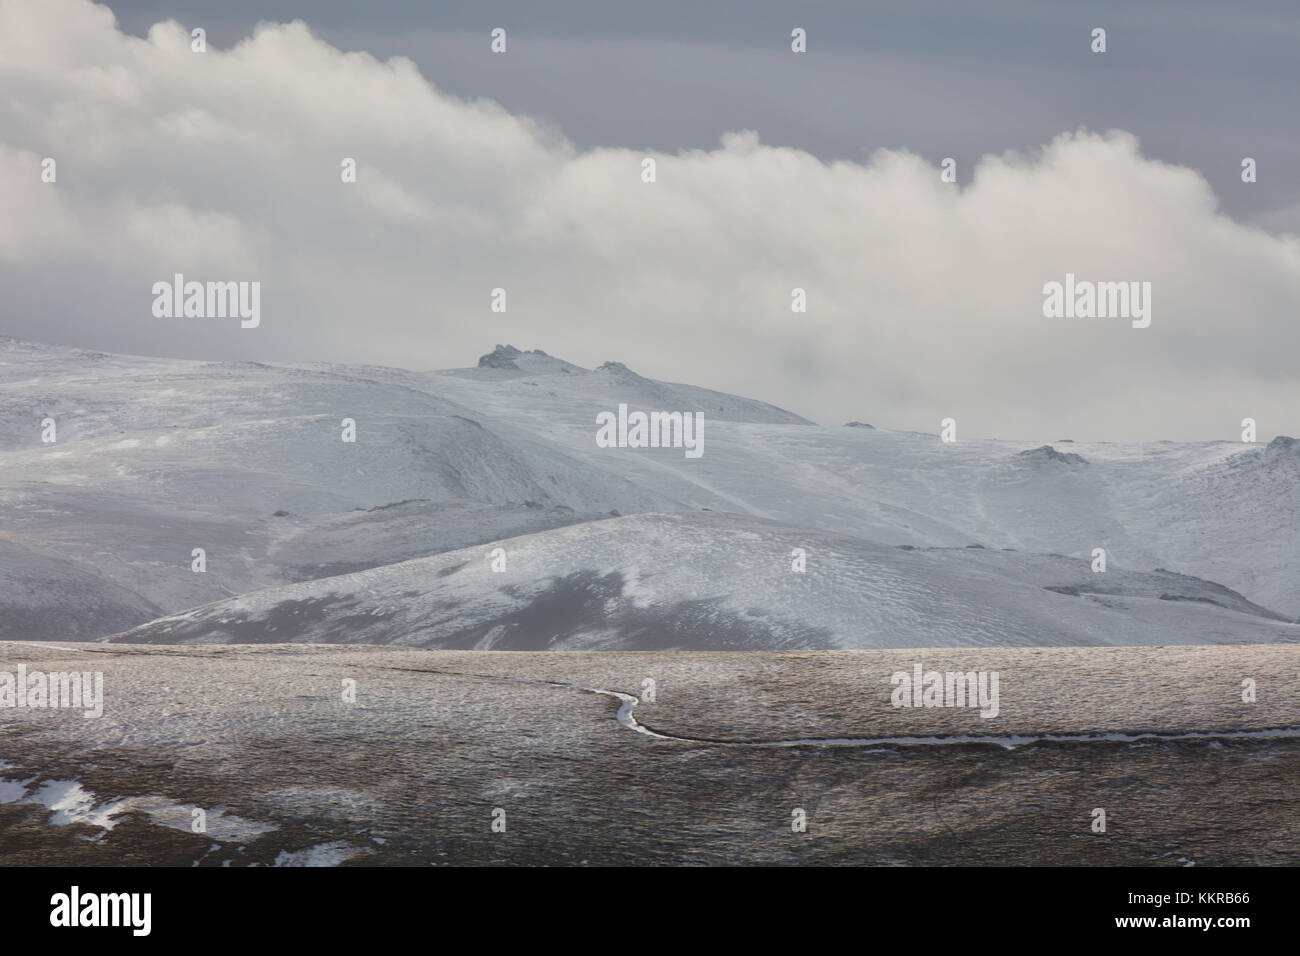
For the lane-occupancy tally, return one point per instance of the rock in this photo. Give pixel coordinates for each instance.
(1048, 453)
(1284, 443)
(503, 356)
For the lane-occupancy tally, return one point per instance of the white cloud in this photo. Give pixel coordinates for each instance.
(924, 298)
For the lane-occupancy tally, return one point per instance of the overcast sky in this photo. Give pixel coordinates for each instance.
(775, 170)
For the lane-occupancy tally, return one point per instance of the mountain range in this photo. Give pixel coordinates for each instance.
(474, 509)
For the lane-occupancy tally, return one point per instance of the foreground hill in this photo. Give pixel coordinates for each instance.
(698, 581)
(438, 744)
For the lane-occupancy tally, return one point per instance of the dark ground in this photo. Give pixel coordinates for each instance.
(411, 773)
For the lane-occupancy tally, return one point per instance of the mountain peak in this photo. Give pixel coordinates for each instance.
(1048, 453)
(503, 356)
(620, 371)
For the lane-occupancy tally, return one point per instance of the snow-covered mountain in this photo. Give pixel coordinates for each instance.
(698, 581)
(906, 536)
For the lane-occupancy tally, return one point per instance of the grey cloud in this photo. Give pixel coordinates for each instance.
(924, 298)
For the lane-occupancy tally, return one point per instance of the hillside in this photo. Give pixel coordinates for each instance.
(157, 457)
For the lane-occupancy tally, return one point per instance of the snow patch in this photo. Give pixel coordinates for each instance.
(324, 854)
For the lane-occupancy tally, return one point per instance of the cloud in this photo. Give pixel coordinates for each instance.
(924, 298)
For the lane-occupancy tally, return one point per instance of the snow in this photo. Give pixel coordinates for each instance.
(712, 581)
(156, 457)
(326, 854)
(11, 791)
(69, 802)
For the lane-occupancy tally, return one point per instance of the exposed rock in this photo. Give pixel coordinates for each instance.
(1284, 443)
(1048, 453)
(503, 356)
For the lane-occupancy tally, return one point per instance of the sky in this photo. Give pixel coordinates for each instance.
(775, 170)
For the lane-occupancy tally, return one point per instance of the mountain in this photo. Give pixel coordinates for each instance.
(936, 542)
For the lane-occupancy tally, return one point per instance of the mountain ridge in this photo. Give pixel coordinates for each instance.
(157, 457)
